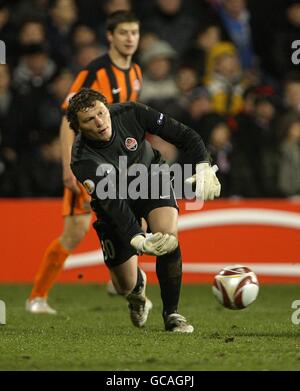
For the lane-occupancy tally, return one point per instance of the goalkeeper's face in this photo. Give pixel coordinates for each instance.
(95, 122)
(125, 38)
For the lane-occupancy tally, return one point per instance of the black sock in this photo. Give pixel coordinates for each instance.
(139, 282)
(169, 273)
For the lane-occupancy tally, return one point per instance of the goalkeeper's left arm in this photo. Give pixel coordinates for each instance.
(189, 142)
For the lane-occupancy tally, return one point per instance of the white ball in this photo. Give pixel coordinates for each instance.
(235, 287)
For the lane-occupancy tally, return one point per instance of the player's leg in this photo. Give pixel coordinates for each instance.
(125, 276)
(128, 279)
(75, 229)
(169, 269)
(110, 287)
(169, 266)
(76, 224)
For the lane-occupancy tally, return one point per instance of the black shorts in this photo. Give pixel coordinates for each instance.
(115, 251)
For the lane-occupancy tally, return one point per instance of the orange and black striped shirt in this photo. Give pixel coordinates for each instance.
(116, 84)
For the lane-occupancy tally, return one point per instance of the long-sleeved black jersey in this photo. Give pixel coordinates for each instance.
(130, 122)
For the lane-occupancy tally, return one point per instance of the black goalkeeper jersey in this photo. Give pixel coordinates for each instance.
(130, 122)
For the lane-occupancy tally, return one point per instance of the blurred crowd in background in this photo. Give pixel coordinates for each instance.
(223, 67)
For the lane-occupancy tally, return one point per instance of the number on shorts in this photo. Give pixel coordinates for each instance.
(108, 249)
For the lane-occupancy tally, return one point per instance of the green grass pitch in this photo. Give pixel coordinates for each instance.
(92, 331)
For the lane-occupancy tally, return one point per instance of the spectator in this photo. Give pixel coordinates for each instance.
(198, 108)
(32, 31)
(85, 47)
(90, 13)
(200, 116)
(14, 125)
(48, 112)
(62, 19)
(186, 80)
(289, 156)
(41, 173)
(8, 120)
(31, 77)
(171, 23)
(83, 35)
(266, 19)
(147, 39)
(235, 18)
(158, 84)
(208, 36)
(224, 79)
(291, 91)
(111, 6)
(158, 63)
(35, 68)
(220, 148)
(84, 55)
(29, 9)
(256, 136)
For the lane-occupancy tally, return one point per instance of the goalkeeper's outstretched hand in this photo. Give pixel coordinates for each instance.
(208, 186)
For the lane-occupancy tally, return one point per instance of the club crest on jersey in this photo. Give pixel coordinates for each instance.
(89, 186)
(131, 144)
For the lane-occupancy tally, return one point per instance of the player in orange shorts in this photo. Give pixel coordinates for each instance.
(119, 79)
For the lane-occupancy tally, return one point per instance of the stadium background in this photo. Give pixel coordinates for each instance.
(254, 137)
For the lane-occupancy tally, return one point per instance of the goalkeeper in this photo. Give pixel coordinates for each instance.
(104, 134)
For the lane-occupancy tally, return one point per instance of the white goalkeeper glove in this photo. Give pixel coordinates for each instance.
(207, 184)
(154, 244)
